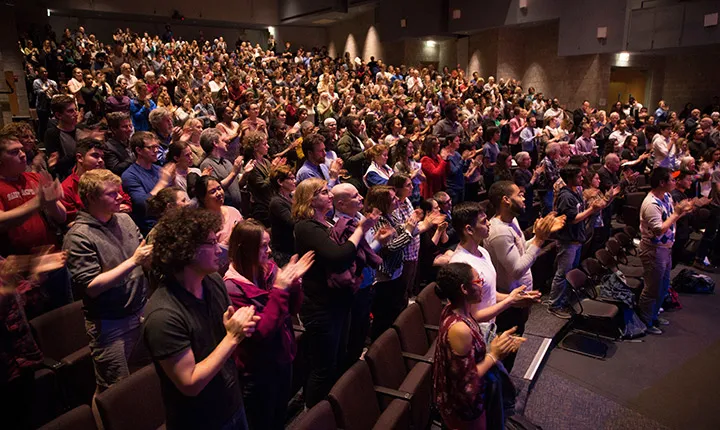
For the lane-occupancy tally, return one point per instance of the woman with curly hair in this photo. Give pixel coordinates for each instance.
(190, 329)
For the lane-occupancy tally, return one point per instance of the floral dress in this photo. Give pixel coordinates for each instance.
(459, 390)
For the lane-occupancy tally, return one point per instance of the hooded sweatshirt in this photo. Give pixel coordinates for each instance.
(93, 248)
(273, 341)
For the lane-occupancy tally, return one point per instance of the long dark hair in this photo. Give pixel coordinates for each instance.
(244, 250)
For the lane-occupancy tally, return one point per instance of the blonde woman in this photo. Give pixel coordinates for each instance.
(324, 310)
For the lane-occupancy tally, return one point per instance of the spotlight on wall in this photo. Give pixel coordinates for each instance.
(624, 57)
(430, 43)
(271, 30)
(49, 12)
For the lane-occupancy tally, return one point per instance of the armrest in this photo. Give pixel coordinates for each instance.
(396, 394)
(432, 327)
(52, 364)
(417, 357)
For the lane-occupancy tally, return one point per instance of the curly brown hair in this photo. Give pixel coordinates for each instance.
(178, 236)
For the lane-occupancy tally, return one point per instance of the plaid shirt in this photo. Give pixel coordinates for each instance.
(400, 217)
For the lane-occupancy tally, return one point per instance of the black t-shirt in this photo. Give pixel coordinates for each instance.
(176, 320)
(65, 144)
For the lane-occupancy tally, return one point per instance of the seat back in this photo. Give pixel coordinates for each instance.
(385, 360)
(319, 417)
(626, 242)
(411, 330)
(630, 231)
(133, 403)
(593, 269)
(430, 304)
(80, 418)
(635, 199)
(353, 399)
(61, 331)
(577, 279)
(604, 257)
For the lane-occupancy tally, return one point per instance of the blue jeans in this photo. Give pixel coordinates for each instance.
(546, 201)
(657, 264)
(238, 421)
(568, 258)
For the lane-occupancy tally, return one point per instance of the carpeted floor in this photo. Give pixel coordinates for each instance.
(667, 381)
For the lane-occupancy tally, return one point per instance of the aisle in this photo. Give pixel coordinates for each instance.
(667, 381)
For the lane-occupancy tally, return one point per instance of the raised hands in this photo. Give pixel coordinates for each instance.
(50, 190)
(335, 168)
(241, 323)
(143, 254)
(506, 343)
(278, 161)
(370, 220)
(551, 223)
(294, 270)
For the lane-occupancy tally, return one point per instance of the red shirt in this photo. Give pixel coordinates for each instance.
(435, 174)
(35, 230)
(72, 201)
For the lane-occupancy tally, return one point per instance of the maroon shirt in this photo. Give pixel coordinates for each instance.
(459, 390)
(273, 340)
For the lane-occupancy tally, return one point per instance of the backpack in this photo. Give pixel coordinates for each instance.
(672, 300)
(689, 281)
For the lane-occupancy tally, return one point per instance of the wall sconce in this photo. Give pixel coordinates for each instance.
(602, 35)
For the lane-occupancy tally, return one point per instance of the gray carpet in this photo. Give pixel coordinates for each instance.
(558, 403)
(542, 323)
(672, 379)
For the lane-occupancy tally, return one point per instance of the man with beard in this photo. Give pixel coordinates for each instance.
(511, 254)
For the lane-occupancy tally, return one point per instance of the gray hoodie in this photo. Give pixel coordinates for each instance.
(93, 248)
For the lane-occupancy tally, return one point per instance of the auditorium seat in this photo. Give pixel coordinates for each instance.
(590, 316)
(354, 400)
(61, 336)
(616, 249)
(431, 307)
(134, 403)
(413, 336)
(388, 369)
(607, 260)
(80, 418)
(319, 417)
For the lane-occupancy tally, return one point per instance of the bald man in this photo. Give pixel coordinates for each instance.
(348, 203)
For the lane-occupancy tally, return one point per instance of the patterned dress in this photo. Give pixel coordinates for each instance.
(459, 390)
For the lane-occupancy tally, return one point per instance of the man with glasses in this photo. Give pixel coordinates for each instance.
(191, 330)
(144, 178)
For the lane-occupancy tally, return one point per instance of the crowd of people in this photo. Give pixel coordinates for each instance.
(197, 195)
